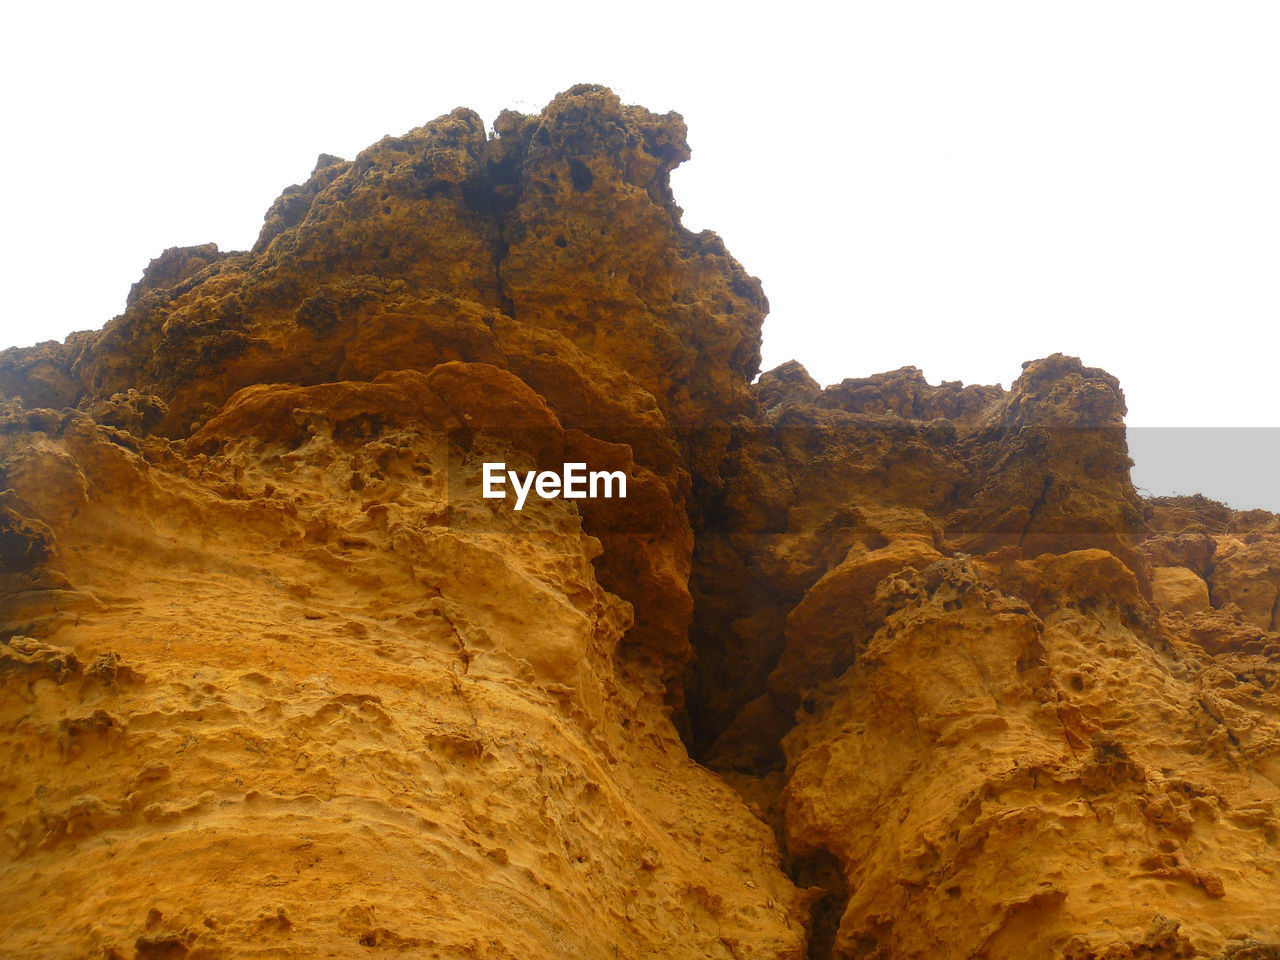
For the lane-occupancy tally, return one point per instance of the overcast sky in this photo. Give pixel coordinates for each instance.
(955, 186)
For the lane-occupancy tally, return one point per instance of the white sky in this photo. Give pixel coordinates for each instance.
(957, 186)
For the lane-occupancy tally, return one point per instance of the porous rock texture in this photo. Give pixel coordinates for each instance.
(885, 670)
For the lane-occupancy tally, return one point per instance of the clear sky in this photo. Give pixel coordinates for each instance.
(955, 186)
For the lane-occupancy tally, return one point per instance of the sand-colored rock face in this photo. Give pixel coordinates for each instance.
(886, 670)
(1179, 590)
(273, 702)
(278, 681)
(993, 704)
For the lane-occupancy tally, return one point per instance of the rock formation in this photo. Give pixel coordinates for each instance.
(885, 670)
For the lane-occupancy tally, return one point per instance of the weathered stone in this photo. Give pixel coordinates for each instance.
(959, 691)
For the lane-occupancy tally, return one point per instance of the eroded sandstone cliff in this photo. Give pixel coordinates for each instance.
(992, 702)
(884, 670)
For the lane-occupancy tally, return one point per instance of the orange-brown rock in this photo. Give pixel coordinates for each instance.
(883, 670)
(993, 704)
(1179, 590)
(278, 681)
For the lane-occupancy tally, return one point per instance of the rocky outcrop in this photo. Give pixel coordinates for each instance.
(279, 679)
(881, 670)
(993, 703)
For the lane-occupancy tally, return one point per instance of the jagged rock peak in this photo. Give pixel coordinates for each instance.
(953, 688)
